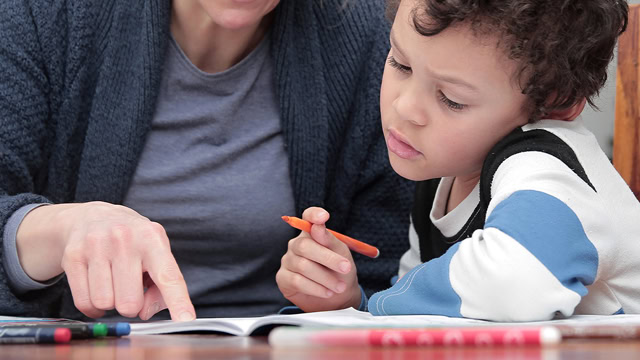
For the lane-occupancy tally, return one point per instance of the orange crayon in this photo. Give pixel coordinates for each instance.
(353, 244)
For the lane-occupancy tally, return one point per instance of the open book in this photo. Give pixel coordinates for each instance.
(351, 318)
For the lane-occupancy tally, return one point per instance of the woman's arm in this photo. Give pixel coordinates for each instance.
(104, 250)
(24, 111)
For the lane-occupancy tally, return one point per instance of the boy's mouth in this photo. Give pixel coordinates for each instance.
(397, 144)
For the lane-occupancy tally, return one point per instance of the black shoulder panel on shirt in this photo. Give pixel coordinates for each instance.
(433, 243)
(522, 141)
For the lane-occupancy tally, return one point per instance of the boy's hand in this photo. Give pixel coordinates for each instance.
(317, 273)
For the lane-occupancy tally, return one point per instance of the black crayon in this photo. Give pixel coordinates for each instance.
(34, 335)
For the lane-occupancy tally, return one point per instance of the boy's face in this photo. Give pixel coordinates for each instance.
(446, 100)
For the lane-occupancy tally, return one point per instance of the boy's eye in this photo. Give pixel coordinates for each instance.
(402, 68)
(451, 104)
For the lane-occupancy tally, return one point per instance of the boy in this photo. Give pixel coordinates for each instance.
(526, 218)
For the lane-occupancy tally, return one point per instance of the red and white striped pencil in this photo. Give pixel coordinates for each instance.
(461, 336)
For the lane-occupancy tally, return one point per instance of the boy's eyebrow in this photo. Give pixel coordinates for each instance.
(456, 81)
(394, 43)
(445, 78)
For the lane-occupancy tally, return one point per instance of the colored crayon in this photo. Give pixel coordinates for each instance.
(78, 330)
(34, 335)
(118, 329)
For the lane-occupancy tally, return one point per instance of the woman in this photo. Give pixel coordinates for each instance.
(166, 140)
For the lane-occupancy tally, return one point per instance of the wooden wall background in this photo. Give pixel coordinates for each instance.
(626, 133)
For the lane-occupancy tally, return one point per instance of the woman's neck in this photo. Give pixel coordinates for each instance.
(210, 47)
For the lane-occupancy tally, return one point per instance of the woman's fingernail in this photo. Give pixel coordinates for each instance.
(329, 293)
(344, 266)
(187, 316)
(340, 287)
(152, 310)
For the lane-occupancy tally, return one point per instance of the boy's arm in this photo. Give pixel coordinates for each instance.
(531, 260)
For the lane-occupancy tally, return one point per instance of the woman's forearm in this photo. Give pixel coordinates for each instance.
(39, 241)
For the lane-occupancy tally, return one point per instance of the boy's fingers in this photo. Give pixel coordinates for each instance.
(300, 284)
(315, 215)
(315, 272)
(310, 249)
(320, 234)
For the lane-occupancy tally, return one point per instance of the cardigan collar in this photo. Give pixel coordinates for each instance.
(130, 75)
(301, 89)
(130, 70)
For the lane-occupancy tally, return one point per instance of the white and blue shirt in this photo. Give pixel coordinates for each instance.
(551, 230)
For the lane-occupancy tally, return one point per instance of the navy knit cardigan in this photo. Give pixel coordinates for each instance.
(78, 84)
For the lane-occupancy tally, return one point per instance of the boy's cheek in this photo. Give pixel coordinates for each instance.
(386, 107)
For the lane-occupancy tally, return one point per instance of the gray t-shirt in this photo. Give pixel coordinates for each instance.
(214, 172)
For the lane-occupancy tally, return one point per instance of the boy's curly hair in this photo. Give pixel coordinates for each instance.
(563, 46)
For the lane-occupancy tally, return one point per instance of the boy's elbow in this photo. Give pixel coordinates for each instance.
(512, 297)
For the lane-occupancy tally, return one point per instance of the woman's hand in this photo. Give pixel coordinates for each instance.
(109, 254)
(317, 273)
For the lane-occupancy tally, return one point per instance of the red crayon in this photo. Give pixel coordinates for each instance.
(34, 335)
(472, 336)
(353, 244)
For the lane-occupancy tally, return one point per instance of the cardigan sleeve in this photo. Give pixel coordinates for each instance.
(24, 111)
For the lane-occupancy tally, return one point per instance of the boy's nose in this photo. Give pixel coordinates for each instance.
(411, 107)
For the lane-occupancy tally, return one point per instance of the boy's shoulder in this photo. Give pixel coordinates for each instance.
(567, 141)
(557, 138)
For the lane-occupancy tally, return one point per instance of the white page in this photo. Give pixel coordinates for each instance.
(353, 318)
(338, 318)
(8, 319)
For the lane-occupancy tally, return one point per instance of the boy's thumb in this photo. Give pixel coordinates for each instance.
(315, 215)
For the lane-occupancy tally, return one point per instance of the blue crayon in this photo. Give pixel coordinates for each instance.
(118, 329)
(34, 335)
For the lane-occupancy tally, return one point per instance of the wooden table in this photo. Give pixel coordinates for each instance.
(176, 347)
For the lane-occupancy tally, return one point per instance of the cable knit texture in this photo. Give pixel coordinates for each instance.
(78, 84)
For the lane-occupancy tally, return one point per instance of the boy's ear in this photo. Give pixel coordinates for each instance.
(569, 113)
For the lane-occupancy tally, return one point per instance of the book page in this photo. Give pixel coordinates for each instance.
(338, 318)
(16, 320)
(231, 326)
(351, 318)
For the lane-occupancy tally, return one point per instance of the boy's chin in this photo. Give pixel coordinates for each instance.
(406, 171)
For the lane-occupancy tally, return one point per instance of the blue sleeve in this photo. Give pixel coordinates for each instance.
(296, 310)
(533, 246)
(425, 289)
